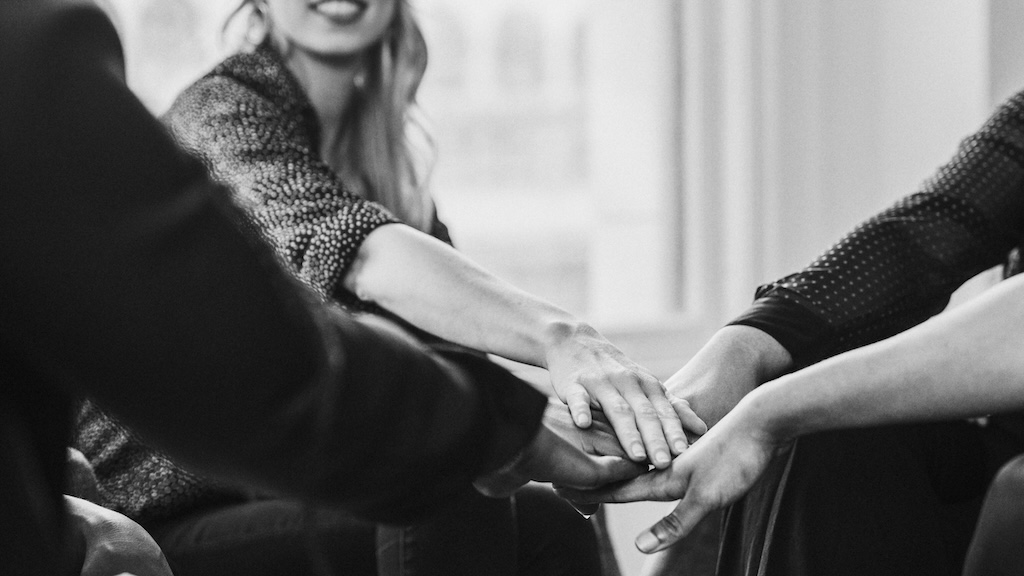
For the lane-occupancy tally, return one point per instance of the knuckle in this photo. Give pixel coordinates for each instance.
(647, 411)
(620, 408)
(679, 401)
(666, 412)
(670, 525)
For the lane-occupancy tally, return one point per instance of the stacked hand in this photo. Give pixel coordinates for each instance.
(725, 463)
(712, 473)
(564, 455)
(582, 449)
(588, 372)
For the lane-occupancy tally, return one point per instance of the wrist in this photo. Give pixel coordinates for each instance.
(560, 332)
(770, 410)
(757, 348)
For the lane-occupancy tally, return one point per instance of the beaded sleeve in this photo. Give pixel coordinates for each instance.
(254, 129)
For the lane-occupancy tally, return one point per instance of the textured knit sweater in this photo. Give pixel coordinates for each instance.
(251, 123)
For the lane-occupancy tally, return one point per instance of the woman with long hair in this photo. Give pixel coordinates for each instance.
(313, 125)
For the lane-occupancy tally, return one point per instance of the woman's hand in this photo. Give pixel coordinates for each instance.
(711, 474)
(587, 372)
(113, 543)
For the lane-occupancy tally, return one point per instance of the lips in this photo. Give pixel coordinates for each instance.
(341, 11)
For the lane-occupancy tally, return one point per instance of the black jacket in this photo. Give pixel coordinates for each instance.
(125, 274)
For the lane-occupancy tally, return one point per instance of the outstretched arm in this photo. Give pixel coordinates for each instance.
(436, 288)
(344, 245)
(963, 363)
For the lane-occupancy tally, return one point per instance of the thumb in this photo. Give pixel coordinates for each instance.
(672, 528)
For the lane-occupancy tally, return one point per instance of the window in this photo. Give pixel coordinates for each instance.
(557, 133)
(557, 150)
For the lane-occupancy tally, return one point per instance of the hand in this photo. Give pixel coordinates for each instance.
(588, 371)
(598, 439)
(113, 543)
(81, 479)
(711, 474)
(735, 360)
(550, 458)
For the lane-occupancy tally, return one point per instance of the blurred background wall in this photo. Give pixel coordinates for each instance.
(646, 164)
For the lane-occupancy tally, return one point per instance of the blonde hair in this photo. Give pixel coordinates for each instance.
(385, 143)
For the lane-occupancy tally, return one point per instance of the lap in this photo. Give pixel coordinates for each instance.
(534, 533)
(892, 500)
(268, 537)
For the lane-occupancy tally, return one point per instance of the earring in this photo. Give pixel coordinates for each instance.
(258, 24)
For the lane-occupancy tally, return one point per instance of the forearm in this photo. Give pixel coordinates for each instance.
(734, 361)
(436, 288)
(963, 363)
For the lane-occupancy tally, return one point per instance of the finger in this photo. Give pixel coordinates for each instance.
(672, 528)
(578, 401)
(599, 438)
(650, 486)
(612, 469)
(670, 423)
(649, 422)
(600, 443)
(687, 416)
(621, 416)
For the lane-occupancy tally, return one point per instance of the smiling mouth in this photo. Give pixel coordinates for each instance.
(341, 11)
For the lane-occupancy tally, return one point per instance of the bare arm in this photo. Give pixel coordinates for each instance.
(735, 360)
(966, 362)
(344, 245)
(436, 288)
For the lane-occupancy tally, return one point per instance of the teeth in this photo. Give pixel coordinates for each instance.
(339, 8)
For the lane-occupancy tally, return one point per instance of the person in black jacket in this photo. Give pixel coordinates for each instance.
(128, 276)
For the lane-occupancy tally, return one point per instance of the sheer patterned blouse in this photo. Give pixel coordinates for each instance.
(900, 267)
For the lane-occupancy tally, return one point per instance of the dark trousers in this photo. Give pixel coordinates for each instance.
(535, 533)
(882, 501)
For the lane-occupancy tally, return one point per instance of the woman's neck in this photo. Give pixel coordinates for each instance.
(329, 85)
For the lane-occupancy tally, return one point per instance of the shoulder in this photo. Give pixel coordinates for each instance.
(44, 39)
(246, 88)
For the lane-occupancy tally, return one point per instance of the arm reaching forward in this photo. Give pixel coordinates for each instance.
(963, 363)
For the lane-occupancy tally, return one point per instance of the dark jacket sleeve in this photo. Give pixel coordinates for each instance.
(127, 275)
(900, 267)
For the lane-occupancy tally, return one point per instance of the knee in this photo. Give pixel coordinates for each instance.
(1008, 484)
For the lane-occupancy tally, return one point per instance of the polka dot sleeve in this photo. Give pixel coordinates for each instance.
(900, 267)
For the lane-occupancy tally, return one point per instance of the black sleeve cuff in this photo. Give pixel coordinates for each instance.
(801, 332)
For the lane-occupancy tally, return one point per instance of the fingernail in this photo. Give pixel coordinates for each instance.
(661, 457)
(680, 445)
(638, 451)
(647, 542)
(582, 420)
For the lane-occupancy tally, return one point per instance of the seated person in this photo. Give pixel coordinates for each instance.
(873, 500)
(129, 277)
(311, 128)
(916, 376)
